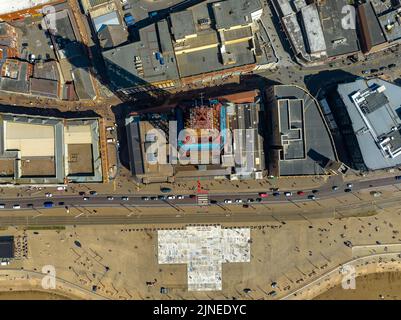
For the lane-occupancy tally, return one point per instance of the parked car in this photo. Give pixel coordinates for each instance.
(312, 197)
(348, 190)
(180, 197)
(93, 193)
(124, 198)
(16, 206)
(2, 205)
(288, 194)
(349, 185)
(145, 198)
(263, 195)
(110, 198)
(165, 190)
(300, 193)
(171, 197)
(228, 201)
(85, 198)
(48, 204)
(334, 188)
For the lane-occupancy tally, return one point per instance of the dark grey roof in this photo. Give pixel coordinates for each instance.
(231, 13)
(182, 23)
(373, 28)
(339, 40)
(134, 148)
(6, 247)
(317, 144)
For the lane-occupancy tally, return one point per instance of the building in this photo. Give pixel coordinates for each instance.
(315, 31)
(48, 150)
(13, 10)
(219, 137)
(300, 142)
(7, 248)
(368, 114)
(206, 42)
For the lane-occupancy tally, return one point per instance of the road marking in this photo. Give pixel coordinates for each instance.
(77, 216)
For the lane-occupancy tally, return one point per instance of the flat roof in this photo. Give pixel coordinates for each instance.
(317, 148)
(231, 13)
(339, 40)
(313, 29)
(8, 6)
(182, 24)
(381, 119)
(6, 247)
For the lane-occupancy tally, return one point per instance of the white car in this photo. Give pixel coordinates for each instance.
(171, 197)
(228, 201)
(110, 198)
(349, 185)
(48, 195)
(16, 206)
(124, 198)
(180, 197)
(238, 200)
(85, 198)
(288, 194)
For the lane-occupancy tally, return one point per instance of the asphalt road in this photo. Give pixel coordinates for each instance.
(136, 200)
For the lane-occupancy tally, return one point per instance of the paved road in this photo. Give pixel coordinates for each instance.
(68, 201)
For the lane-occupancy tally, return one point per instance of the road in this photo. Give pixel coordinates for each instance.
(29, 207)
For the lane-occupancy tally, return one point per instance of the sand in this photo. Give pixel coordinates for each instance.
(31, 295)
(374, 286)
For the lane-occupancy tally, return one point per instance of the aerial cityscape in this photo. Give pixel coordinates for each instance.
(200, 150)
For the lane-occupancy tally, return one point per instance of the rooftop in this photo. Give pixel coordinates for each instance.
(374, 109)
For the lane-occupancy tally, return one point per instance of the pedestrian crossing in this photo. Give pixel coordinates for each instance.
(203, 199)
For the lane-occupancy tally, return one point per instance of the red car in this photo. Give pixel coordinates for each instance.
(300, 193)
(263, 195)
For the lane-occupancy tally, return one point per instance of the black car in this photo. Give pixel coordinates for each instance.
(93, 193)
(165, 190)
(392, 65)
(348, 190)
(29, 205)
(315, 191)
(162, 197)
(258, 199)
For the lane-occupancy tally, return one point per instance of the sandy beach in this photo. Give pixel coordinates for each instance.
(374, 286)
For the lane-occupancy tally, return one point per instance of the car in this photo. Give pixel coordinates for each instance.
(376, 194)
(334, 188)
(180, 197)
(276, 194)
(61, 203)
(61, 188)
(250, 200)
(258, 199)
(48, 204)
(192, 196)
(2, 205)
(349, 185)
(263, 195)
(365, 71)
(392, 65)
(238, 200)
(153, 198)
(228, 201)
(300, 193)
(81, 193)
(110, 198)
(124, 198)
(48, 195)
(312, 197)
(127, 6)
(162, 197)
(165, 190)
(213, 201)
(16, 206)
(171, 197)
(347, 190)
(315, 191)
(382, 68)
(272, 293)
(397, 178)
(85, 198)
(245, 205)
(29, 205)
(288, 194)
(93, 193)
(145, 198)
(373, 70)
